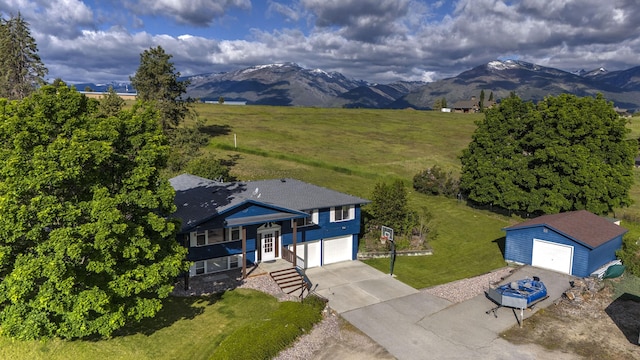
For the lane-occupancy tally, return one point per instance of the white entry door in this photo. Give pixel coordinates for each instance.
(269, 244)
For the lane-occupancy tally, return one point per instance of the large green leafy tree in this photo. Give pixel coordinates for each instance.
(86, 245)
(565, 153)
(21, 70)
(158, 81)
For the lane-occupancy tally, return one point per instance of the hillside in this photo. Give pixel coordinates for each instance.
(289, 84)
(529, 82)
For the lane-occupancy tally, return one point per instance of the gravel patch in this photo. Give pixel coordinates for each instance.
(465, 289)
(266, 284)
(321, 333)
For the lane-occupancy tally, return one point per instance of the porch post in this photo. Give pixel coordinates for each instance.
(244, 252)
(295, 237)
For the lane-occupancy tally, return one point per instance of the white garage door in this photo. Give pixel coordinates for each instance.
(552, 256)
(310, 252)
(337, 249)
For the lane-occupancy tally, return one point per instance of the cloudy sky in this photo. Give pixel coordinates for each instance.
(374, 40)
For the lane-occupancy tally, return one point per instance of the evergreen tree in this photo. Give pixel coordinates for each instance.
(111, 103)
(491, 96)
(86, 244)
(481, 103)
(156, 80)
(565, 153)
(21, 70)
(389, 207)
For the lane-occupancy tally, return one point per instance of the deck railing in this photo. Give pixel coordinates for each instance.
(288, 255)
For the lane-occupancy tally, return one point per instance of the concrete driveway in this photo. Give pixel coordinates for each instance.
(412, 324)
(352, 285)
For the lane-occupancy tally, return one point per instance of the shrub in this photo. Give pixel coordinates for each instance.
(435, 181)
(266, 338)
(630, 255)
(209, 167)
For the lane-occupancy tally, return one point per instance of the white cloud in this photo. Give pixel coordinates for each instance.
(192, 12)
(290, 12)
(374, 40)
(62, 17)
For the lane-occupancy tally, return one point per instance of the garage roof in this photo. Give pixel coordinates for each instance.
(583, 226)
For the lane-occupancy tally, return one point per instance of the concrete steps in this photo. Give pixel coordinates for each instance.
(290, 281)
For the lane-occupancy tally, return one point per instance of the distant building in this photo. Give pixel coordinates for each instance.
(471, 106)
(226, 102)
(99, 94)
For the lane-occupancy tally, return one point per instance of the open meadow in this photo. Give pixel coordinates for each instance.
(351, 150)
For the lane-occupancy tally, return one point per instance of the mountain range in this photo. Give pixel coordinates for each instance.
(289, 84)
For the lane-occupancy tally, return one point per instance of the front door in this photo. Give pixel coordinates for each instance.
(269, 244)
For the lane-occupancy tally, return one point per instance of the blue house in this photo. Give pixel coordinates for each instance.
(229, 225)
(575, 243)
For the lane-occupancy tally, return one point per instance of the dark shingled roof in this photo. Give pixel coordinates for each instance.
(583, 226)
(198, 199)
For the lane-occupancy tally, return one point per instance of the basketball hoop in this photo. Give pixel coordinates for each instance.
(386, 234)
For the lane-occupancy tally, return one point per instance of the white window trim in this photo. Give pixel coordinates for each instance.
(229, 231)
(352, 213)
(203, 263)
(312, 218)
(193, 237)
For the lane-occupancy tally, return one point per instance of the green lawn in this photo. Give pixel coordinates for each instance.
(457, 252)
(186, 328)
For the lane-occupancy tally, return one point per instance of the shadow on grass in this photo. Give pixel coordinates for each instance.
(174, 308)
(625, 313)
(501, 244)
(216, 130)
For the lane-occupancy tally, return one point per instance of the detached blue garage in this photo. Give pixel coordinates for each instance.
(575, 243)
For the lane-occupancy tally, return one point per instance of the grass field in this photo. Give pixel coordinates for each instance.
(186, 328)
(351, 150)
(346, 149)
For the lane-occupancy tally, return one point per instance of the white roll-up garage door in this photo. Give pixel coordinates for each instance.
(310, 252)
(337, 249)
(552, 256)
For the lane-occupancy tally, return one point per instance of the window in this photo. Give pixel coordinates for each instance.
(201, 238)
(343, 213)
(216, 264)
(234, 261)
(199, 267)
(312, 219)
(214, 236)
(235, 233)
